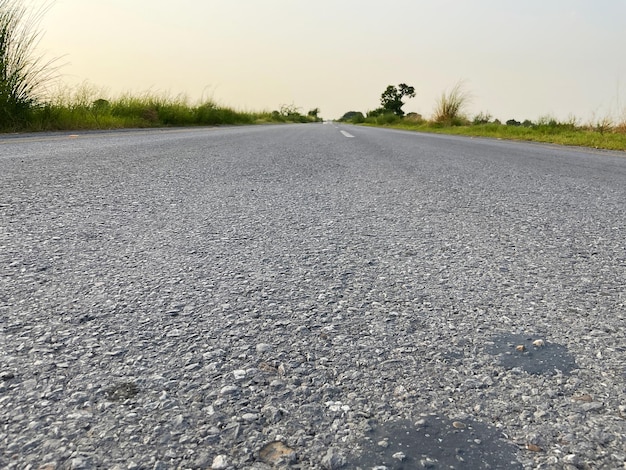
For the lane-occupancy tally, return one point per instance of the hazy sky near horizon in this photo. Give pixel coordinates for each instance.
(519, 60)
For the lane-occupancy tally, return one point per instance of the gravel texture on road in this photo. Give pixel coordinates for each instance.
(287, 297)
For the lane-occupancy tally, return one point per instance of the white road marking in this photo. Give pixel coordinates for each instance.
(347, 134)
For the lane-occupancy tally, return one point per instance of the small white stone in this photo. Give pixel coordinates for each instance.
(220, 462)
(77, 463)
(399, 456)
(239, 374)
(571, 459)
(335, 406)
(593, 406)
(229, 390)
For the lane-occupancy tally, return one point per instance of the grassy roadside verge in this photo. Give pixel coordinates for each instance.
(150, 110)
(450, 117)
(557, 133)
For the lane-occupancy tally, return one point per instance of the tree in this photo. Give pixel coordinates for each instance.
(391, 99)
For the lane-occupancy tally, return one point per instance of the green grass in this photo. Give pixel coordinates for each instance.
(549, 132)
(87, 107)
(449, 117)
(79, 110)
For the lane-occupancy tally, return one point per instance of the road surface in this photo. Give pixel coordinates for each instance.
(310, 296)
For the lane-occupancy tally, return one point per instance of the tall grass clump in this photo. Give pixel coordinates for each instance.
(450, 107)
(23, 74)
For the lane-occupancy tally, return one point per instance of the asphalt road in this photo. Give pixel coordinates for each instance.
(306, 295)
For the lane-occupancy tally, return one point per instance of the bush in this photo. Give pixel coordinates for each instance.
(358, 118)
(353, 116)
(381, 119)
(414, 118)
(604, 124)
(313, 114)
(482, 118)
(388, 118)
(377, 112)
(547, 121)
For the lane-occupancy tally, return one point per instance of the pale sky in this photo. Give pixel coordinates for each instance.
(519, 59)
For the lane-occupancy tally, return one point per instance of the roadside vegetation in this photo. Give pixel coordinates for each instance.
(85, 108)
(71, 112)
(23, 74)
(450, 117)
(27, 104)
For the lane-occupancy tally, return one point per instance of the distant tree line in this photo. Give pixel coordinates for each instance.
(450, 110)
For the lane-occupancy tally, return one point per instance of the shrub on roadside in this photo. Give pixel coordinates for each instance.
(355, 117)
(482, 118)
(414, 118)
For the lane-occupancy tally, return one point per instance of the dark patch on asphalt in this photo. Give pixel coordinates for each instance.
(6, 375)
(122, 391)
(434, 442)
(85, 319)
(532, 354)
